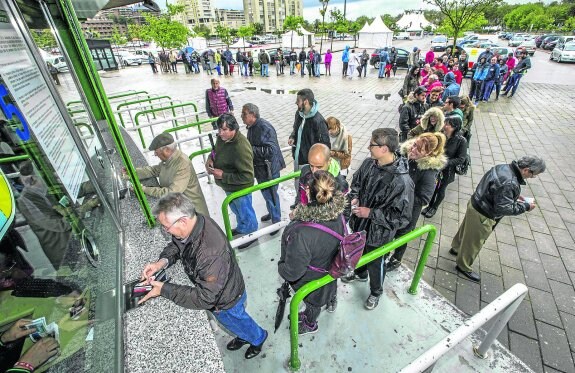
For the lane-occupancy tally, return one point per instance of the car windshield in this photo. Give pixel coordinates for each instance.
(569, 47)
(439, 39)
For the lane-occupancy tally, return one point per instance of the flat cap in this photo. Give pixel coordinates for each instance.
(161, 140)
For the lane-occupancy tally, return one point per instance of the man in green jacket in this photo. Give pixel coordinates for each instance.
(175, 173)
(232, 166)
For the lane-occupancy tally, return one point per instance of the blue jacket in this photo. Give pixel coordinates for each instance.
(451, 86)
(345, 55)
(481, 72)
(492, 72)
(228, 56)
(383, 57)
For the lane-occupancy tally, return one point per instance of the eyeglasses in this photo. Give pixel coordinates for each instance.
(174, 223)
(372, 145)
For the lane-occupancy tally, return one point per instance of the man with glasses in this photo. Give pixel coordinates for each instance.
(381, 197)
(232, 165)
(211, 266)
(497, 195)
(451, 107)
(175, 173)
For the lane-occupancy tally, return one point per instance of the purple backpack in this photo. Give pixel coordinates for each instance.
(350, 250)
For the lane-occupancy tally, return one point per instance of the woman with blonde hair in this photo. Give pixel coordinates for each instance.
(426, 159)
(340, 143)
(306, 251)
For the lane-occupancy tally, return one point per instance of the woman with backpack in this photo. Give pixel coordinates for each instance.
(425, 158)
(307, 251)
(456, 153)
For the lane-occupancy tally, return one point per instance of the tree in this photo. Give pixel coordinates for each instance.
(117, 38)
(434, 16)
(44, 38)
(390, 21)
(165, 32)
(245, 32)
(459, 14)
(293, 23)
(322, 11)
(529, 16)
(202, 30)
(353, 28)
(258, 27)
(478, 22)
(224, 33)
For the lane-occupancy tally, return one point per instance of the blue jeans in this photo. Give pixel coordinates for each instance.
(488, 89)
(245, 214)
(292, 67)
(513, 83)
(271, 195)
(237, 321)
(317, 71)
(381, 69)
(245, 68)
(265, 69)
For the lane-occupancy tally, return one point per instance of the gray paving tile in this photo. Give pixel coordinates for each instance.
(523, 321)
(569, 324)
(555, 348)
(544, 307)
(512, 276)
(448, 294)
(491, 287)
(490, 262)
(535, 275)
(545, 243)
(555, 269)
(467, 296)
(526, 349)
(568, 257)
(446, 280)
(509, 256)
(564, 296)
(527, 250)
(562, 237)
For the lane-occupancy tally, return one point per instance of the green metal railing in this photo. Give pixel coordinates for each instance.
(153, 111)
(294, 363)
(191, 125)
(114, 96)
(148, 100)
(199, 152)
(15, 158)
(246, 191)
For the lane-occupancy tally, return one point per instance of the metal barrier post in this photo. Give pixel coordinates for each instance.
(295, 363)
(15, 158)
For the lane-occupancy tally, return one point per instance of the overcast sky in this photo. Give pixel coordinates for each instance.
(354, 8)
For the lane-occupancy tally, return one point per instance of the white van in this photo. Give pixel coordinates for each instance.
(58, 62)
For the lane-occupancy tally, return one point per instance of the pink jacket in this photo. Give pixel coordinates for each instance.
(510, 63)
(429, 57)
(436, 83)
(327, 58)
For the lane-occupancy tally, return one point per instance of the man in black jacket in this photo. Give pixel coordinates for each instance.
(302, 57)
(309, 128)
(412, 111)
(268, 159)
(382, 200)
(497, 195)
(211, 266)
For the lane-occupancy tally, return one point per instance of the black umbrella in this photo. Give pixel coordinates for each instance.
(283, 293)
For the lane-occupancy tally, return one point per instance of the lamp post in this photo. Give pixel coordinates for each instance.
(322, 11)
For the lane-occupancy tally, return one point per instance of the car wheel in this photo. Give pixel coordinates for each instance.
(559, 59)
(125, 64)
(376, 65)
(550, 56)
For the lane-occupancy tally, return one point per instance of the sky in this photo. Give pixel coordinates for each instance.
(354, 8)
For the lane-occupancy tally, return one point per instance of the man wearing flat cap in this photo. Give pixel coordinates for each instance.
(175, 173)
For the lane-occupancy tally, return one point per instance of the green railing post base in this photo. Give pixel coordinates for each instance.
(293, 366)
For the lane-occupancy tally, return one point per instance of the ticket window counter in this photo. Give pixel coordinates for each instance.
(102, 54)
(61, 250)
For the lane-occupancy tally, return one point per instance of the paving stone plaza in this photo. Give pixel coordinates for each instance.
(536, 248)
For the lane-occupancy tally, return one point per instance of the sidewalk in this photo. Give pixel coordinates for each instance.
(536, 248)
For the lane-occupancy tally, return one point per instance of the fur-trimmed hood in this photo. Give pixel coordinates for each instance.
(440, 119)
(317, 213)
(425, 163)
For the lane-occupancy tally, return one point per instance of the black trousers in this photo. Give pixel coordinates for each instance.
(398, 253)
(311, 312)
(439, 194)
(344, 71)
(376, 271)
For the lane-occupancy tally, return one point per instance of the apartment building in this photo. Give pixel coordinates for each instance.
(230, 17)
(271, 13)
(197, 12)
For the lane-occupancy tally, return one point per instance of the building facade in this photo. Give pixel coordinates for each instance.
(230, 18)
(271, 13)
(196, 12)
(106, 21)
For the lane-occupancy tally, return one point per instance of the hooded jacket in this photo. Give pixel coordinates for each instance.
(388, 192)
(306, 246)
(498, 191)
(451, 86)
(345, 54)
(314, 131)
(211, 266)
(268, 158)
(481, 72)
(425, 123)
(423, 172)
(410, 113)
(468, 112)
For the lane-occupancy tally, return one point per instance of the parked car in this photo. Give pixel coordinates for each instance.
(58, 62)
(463, 43)
(474, 53)
(401, 61)
(517, 39)
(529, 46)
(439, 43)
(539, 39)
(564, 54)
(257, 40)
(548, 40)
(484, 45)
(564, 40)
(127, 58)
(286, 52)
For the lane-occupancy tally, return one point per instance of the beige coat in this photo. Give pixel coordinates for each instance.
(177, 174)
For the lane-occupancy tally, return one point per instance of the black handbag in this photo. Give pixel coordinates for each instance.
(461, 169)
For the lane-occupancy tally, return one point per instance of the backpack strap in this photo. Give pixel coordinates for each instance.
(323, 229)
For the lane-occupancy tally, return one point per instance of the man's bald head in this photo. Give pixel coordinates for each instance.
(318, 157)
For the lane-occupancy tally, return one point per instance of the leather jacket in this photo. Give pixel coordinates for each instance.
(497, 193)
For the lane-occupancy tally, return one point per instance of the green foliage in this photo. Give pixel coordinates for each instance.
(461, 15)
(117, 38)
(259, 28)
(569, 25)
(137, 32)
(292, 23)
(478, 22)
(246, 31)
(174, 9)
(224, 33)
(44, 38)
(362, 19)
(390, 21)
(202, 31)
(434, 16)
(528, 16)
(165, 32)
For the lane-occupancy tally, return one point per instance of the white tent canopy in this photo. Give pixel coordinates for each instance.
(376, 35)
(301, 39)
(413, 21)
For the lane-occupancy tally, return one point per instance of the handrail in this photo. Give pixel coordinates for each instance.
(149, 99)
(199, 152)
(240, 193)
(294, 363)
(190, 125)
(153, 111)
(15, 158)
(503, 308)
(70, 103)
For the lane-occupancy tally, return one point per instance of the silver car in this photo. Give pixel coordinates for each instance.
(563, 54)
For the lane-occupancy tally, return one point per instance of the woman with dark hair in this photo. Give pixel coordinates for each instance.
(456, 152)
(306, 251)
(411, 81)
